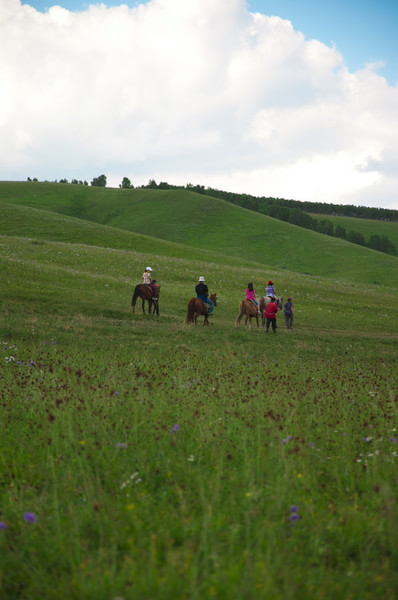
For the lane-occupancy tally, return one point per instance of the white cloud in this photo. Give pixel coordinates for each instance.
(192, 91)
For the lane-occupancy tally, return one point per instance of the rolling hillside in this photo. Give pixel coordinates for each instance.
(365, 226)
(200, 222)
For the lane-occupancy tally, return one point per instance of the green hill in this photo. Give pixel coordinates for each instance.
(367, 227)
(205, 224)
(144, 458)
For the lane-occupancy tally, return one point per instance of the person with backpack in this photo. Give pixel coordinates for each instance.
(289, 312)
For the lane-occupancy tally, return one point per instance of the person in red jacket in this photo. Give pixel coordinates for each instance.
(270, 314)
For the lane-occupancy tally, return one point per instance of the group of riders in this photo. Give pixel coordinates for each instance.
(202, 292)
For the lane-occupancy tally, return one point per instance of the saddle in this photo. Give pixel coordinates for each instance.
(152, 288)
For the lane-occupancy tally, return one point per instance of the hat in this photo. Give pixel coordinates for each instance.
(289, 299)
(154, 281)
(201, 278)
(270, 282)
(148, 269)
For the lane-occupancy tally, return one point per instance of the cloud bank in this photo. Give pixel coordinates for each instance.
(192, 91)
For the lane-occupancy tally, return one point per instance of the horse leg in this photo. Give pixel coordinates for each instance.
(258, 326)
(143, 306)
(149, 306)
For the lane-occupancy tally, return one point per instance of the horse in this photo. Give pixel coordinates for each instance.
(197, 307)
(144, 292)
(248, 308)
(264, 300)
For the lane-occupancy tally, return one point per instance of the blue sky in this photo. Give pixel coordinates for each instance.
(363, 31)
(276, 98)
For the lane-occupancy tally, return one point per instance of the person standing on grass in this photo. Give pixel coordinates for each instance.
(251, 295)
(289, 312)
(202, 292)
(270, 315)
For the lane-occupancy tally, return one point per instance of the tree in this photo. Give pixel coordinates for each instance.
(99, 181)
(126, 183)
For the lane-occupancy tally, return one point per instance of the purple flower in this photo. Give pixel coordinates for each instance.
(365, 439)
(3, 525)
(311, 444)
(295, 517)
(394, 440)
(121, 445)
(175, 428)
(29, 517)
(293, 508)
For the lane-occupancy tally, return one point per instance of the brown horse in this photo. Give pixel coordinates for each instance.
(248, 308)
(264, 301)
(197, 307)
(144, 292)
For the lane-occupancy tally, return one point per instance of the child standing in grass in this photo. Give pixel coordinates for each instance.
(289, 312)
(251, 295)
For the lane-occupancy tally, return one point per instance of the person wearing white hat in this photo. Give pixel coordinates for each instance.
(202, 292)
(147, 276)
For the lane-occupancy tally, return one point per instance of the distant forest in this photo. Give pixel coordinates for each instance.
(296, 212)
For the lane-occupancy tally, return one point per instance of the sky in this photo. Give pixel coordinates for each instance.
(275, 98)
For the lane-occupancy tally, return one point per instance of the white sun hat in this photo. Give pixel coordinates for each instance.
(148, 269)
(201, 278)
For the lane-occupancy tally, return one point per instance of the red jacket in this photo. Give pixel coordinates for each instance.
(270, 310)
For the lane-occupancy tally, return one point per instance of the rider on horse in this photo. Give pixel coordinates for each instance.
(146, 276)
(270, 290)
(251, 295)
(202, 292)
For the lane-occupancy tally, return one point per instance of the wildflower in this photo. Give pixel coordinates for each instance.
(121, 445)
(393, 440)
(29, 517)
(367, 439)
(294, 517)
(3, 525)
(191, 458)
(175, 428)
(311, 444)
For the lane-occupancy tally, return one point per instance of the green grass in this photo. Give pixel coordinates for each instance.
(367, 227)
(205, 223)
(129, 506)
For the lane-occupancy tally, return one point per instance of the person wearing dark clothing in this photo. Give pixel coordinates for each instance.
(289, 312)
(270, 314)
(202, 292)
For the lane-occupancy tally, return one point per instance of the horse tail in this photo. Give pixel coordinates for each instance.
(135, 296)
(241, 313)
(190, 311)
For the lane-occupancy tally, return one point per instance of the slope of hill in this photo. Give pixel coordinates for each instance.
(367, 227)
(206, 223)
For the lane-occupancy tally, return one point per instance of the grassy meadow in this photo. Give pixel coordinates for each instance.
(145, 459)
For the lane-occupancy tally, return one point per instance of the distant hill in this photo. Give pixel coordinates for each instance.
(205, 224)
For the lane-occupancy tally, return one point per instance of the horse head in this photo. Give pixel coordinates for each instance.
(213, 298)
